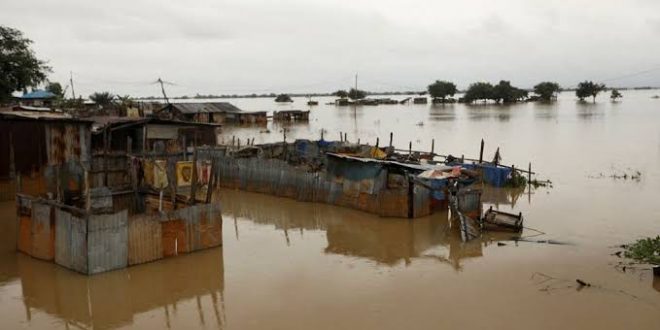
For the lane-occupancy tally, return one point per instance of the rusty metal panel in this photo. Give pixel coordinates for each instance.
(24, 243)
(145, 241)
(107, 239)
(43, 231)
(70, 241)
(174, 237)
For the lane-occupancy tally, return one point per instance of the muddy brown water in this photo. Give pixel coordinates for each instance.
(291, 265)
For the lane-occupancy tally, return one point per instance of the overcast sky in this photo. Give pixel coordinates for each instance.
(226, 47)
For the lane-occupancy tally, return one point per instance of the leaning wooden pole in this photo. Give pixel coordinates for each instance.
(481, 152)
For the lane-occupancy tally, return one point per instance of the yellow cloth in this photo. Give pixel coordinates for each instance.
(377, 153)
(160, 174)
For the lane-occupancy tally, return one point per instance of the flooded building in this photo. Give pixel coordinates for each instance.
(290, 115)
(211, 112)
(37, 98)
(97, 195)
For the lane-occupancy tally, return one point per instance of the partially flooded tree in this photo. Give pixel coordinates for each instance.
(589, 89)
(506, 93)
(615, 94)
(441, 90)
(547, 91)
(19, 66)
(102, 98)
(479, 91)
(356, 94)
(341, 94)
(283, 98)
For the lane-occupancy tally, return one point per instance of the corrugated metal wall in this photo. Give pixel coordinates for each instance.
(43, 231)
(107, 240)
(145, 239)
(277, 177)
(70, 241)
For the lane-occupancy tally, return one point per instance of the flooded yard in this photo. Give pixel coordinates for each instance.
(291, 265)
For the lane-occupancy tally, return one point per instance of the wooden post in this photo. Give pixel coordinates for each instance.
(481, 152)
(19, 183)
(345, 137)
(391, 138)
(341, 137)
(129, 145)
(171, 178)
(432, 146)
(358, 141)
(529, 173)
(193, 186)
(409, 148)
(211, 184)
(321, 133)
(88, 197)
(377, 142)
(239, 143)
(232, 140)
(185, 148)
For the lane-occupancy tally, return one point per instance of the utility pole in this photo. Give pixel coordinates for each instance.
(162, 88)
(73, 92)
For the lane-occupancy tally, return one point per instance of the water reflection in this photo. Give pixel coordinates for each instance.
(114, 299)
(499, 112)
(387, 241)
(589, 110)
(442, 112)
(545, 110)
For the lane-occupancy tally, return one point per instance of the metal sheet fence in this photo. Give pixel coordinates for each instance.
(107, 239)
(277, 177)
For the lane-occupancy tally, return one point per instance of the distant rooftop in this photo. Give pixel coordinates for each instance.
(38, 94)
(215, 107)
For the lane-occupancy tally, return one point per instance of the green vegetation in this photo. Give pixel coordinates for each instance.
(283, 98)
(478, 91)
(102, 98)
(644, 250)
(441, 90)
(341, 94)
(55, 88)
(19, 67)
(547, 91)
(503, 92)
(615, 94)
(356, 94)
(589, 89)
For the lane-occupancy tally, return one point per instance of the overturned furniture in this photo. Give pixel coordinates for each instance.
(502, 221)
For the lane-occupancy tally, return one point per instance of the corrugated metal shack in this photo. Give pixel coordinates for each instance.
(322, 171)
(42, 153)
(104, 204)
(211, 112)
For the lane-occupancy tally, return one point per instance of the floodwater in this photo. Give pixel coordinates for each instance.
(292, 265)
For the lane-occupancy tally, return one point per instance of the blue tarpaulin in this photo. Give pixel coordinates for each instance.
(495, 176)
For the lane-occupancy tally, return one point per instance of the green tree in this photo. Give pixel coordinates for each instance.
(283, 98)
(341, 94)
(442, 89)
(479, 91)
(588, 88)
(504, 92)
(547, 90)
(615, 94)
(102, 98)
(356, 94)
(55, 88)
(19, 66)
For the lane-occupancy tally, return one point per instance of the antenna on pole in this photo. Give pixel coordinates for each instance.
(73, 92)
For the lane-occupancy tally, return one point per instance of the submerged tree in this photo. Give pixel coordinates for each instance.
(283, 98)
(547, 91)
(504, 92)
(442, 89)
(341, 94)
(356, 94)
(615, 94)
(479, 91)
(588, 88)
(19, 66)
(102, 98)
